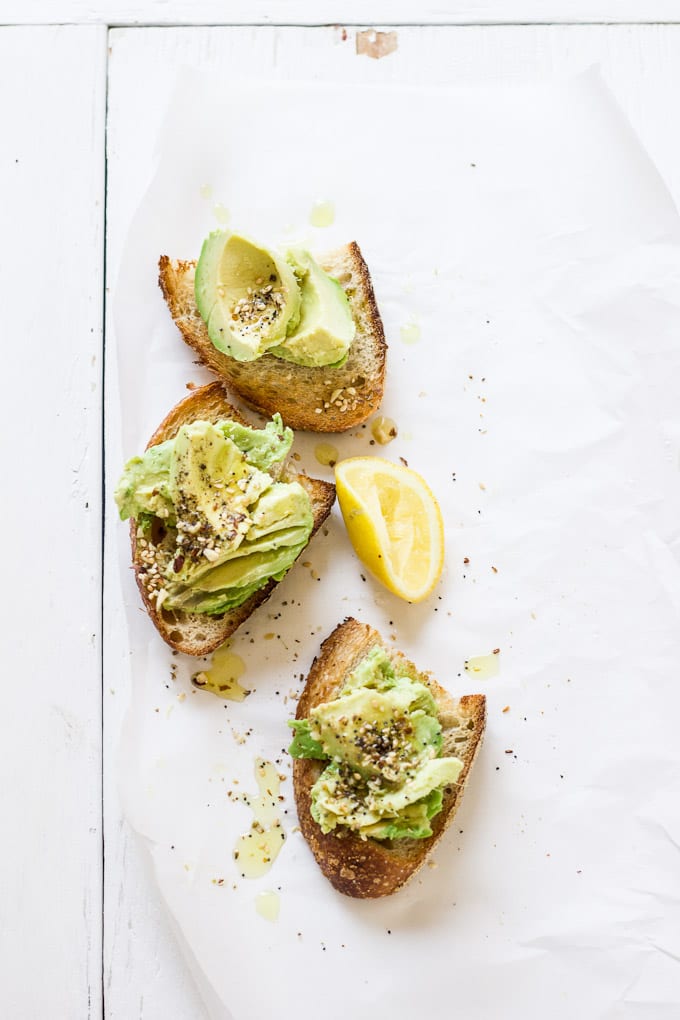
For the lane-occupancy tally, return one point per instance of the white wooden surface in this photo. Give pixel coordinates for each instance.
(51, 248)
(331, 12)
(642, 66)
(52, 115)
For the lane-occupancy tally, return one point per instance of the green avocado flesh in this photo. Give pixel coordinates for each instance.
(255, 301)
(247, 296)
(326, 328)
(228, 526)
(382, 742)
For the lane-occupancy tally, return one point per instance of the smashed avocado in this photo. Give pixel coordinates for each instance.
(382, 742)
(255, 301)
(221, 524)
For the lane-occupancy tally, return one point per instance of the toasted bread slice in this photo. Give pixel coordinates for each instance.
(317, 399)
(368, 868)
(198, 633)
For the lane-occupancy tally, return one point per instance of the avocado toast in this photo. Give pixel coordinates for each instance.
(331, 398)
(381, 757)
(216, 518)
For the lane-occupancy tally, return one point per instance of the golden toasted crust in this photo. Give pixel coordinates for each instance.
(301, 395)
(371, 868)
(200, 634)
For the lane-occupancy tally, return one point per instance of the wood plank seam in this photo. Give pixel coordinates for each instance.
(264, 23)
(107, 61)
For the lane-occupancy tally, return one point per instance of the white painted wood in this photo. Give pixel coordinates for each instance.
(51, 251)
(345, 12)
(144, 975)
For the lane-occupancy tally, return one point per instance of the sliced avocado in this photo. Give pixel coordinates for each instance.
(235, 580)
(247, 295)
(357, 725)
(276, 538)
(382, 740)
(245, 570)
(413, 822)
(218, 602)
(233, 525)
(332, 805)
(349, 727)
(228, 517)
(285, 508)
(430, 776)
(212, 487)
(285, 504)
(208, 473)
(326, 327)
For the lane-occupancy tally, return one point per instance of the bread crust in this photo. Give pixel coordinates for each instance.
(200, 634)
(302, 395)
(370, 868)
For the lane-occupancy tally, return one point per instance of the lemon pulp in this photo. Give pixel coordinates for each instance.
(394, 524)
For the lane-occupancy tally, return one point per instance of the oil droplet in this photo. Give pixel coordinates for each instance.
(256, 851)
(326, 454)
(268, 905)
(383, 430)
(206, 191)
(410, 333)
(223, 676)
(222, 214)
(322, 214)
(484, 666)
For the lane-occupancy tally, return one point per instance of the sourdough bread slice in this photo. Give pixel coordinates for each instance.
(317, 399)
(199, 633)
(368, 868)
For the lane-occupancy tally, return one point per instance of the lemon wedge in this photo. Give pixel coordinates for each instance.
(393, 522)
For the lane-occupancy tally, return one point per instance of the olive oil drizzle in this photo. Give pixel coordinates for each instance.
(256, 851)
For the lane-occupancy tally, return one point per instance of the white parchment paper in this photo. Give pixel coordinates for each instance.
(527, 235)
